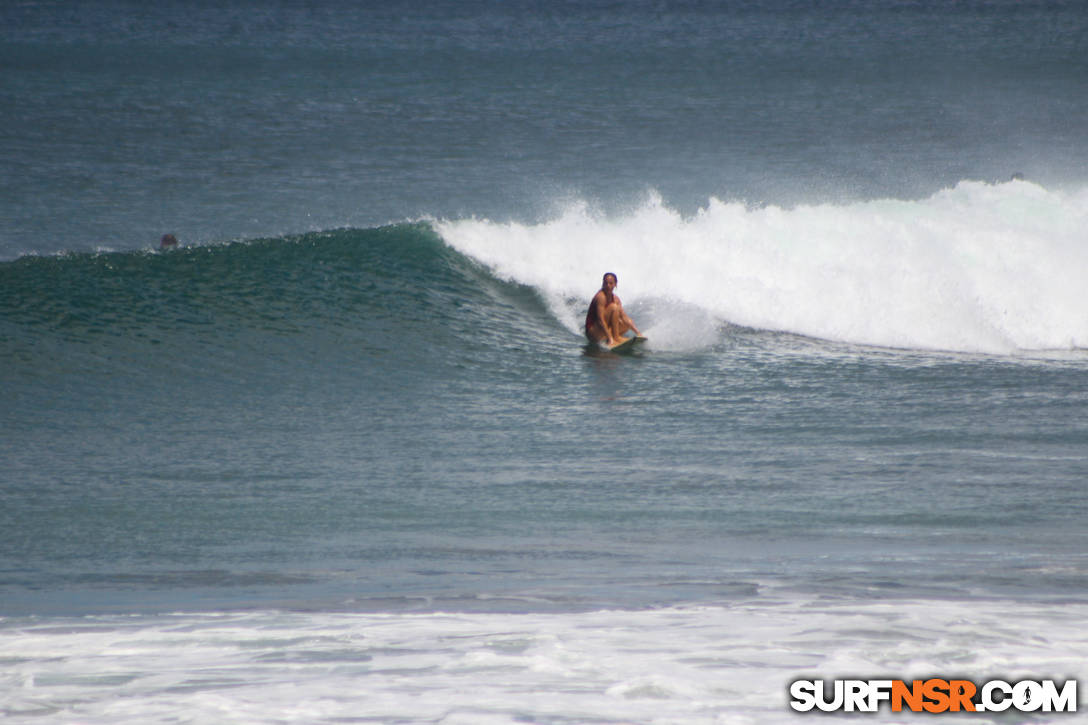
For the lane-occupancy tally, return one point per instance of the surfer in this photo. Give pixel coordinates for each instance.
(606, 319)
(168, 241)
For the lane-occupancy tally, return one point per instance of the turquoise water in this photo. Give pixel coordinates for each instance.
(345, 452)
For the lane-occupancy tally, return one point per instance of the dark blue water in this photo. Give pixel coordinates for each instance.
(218, 121)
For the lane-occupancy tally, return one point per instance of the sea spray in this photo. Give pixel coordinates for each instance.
(978, 267)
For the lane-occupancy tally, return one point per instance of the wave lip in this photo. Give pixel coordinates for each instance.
(994, 268)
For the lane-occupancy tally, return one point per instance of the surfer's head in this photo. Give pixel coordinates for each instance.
(604, 280)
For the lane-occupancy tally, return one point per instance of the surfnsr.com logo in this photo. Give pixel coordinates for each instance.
(934, 695)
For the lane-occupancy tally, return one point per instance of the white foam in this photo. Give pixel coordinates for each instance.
(977, 268)
(724, 664)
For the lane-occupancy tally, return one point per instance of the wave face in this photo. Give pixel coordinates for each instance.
(977, 268)
(326, 297)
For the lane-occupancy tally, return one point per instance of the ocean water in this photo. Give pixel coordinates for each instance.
(344, 454)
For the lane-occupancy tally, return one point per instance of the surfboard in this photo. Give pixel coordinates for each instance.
(627, 344)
